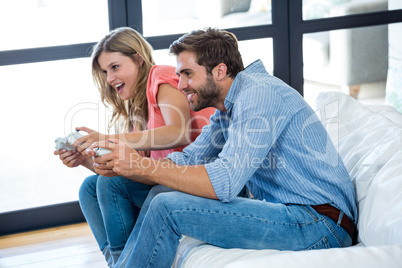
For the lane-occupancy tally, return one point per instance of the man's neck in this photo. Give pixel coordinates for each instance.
(225, 86)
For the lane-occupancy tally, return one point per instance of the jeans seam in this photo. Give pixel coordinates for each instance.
(120, 215)
(323, 240)
(333, 231)
(104, 245)
(156, 248)
(323, 219)
(313, 216)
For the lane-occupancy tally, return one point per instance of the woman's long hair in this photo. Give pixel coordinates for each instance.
(133, 112)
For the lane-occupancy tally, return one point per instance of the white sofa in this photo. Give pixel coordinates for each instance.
(369, 140)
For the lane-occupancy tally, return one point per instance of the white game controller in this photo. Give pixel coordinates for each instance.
(67, 143)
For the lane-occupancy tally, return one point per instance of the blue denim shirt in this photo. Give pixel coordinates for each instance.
(271, 141)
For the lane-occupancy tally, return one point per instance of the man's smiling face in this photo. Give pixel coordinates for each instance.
(196, 83)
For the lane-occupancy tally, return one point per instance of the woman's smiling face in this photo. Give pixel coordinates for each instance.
(121, 73)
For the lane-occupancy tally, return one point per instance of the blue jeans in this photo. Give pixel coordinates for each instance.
(111, 207)
(243, 223)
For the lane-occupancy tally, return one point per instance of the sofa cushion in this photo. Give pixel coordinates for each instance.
(370, 145)
(350, 257)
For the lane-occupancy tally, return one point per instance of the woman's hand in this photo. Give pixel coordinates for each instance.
(71, 158)
(86, 141)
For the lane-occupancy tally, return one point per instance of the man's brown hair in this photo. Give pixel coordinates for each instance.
(211, 46)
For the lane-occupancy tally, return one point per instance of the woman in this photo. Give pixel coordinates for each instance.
(156, 120)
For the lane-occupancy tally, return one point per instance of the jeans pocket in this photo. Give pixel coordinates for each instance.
(320, 244)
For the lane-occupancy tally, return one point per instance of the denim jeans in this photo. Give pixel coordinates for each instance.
(243, 223)
(111, 207)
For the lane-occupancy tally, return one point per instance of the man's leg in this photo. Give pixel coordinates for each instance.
(122, 261)
(242, 223)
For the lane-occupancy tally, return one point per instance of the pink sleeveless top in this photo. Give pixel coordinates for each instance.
(163, 74)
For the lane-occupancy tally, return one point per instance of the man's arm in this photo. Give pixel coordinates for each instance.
(128, 163)
(193, 180)
(189, 175)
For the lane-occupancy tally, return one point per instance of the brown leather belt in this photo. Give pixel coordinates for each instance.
(333, 213)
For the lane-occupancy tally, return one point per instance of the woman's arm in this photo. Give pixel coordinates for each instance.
(177, 131)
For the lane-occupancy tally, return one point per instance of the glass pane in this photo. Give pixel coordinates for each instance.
(50, 100)
(393, 95)
(163, 17)
(41, 23)
(251, 50)
(317, 9)
(354, 61)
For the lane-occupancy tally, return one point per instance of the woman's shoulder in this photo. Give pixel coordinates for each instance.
(160, 74)
(162, 71)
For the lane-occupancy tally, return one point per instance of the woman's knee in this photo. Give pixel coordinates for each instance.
(110, 182)
(88, 187)
(108, 187)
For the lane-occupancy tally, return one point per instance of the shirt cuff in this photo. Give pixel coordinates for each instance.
(219, 178)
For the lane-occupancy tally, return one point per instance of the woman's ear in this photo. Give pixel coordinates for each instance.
(139, 58)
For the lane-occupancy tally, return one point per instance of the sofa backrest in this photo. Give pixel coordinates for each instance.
(370, 144)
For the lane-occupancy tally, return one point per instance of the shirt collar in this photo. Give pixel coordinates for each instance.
(255, 67)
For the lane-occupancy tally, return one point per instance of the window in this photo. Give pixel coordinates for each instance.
(46, 92)
(44, 23)
(354, 61)
(43, 101)
(163, 17)
(318, 9)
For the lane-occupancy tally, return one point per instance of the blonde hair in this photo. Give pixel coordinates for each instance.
(133, 112)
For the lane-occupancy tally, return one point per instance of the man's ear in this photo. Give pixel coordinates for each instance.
(220, 71)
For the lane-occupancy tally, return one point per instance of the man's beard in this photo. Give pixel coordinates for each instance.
(208, 95)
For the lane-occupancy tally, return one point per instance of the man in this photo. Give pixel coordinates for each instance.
(263, 136)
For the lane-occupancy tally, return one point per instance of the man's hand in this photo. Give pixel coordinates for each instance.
(128, 163)
(123, 160)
